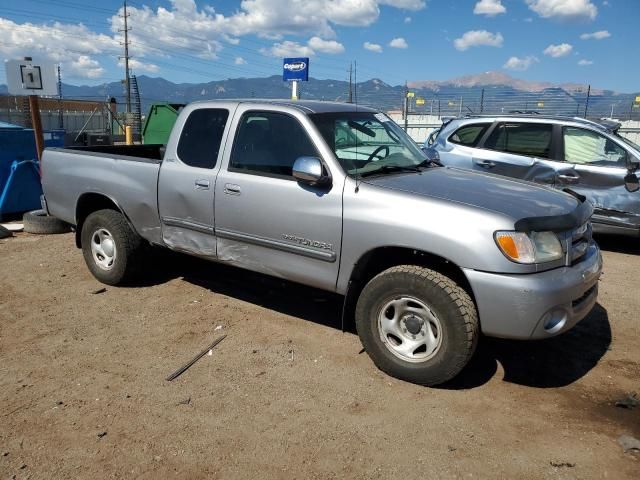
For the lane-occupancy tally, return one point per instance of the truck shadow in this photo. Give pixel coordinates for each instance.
(554, 362)
(550, 363)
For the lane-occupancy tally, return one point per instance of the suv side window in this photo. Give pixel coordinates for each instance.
(269, 143)
(590, 148)
(469, 135)
(530, 139)
(201, 136)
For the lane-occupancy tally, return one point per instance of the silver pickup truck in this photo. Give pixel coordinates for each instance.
(338, 197)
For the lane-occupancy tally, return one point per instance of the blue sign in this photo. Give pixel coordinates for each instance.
(295, 69)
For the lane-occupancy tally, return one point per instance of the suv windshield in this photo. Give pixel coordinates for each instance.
(367, 143)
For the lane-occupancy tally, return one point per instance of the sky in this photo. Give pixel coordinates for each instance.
(579, 41)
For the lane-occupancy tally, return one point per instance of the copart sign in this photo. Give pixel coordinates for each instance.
(295, 69)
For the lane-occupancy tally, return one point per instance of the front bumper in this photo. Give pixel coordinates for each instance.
(537, 305)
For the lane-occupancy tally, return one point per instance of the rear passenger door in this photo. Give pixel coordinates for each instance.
(267, 221)
(186, 184)
(520, 150)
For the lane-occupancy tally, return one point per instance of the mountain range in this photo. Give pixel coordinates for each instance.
(486, 92)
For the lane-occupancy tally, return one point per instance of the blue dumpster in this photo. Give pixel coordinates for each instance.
(20, 187)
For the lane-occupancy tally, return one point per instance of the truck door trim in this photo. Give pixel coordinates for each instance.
(325, 256)
(190, 224)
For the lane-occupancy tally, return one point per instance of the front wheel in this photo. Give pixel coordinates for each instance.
(110, 247)
(417, 324)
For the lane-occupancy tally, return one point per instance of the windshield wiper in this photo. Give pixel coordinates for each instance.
(392, 169)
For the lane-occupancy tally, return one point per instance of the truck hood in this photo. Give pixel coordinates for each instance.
(513, 198)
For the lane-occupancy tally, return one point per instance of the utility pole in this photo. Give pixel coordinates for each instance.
(127, 76)
(350, 100)
(482, 101)
(355, 82)
(405, 107)
(586, 104)
(60, 115)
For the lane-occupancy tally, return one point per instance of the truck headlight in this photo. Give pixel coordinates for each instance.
(535, 247)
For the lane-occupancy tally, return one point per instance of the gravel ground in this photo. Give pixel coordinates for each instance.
(287, 394)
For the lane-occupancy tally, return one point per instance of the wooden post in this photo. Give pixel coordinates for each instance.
(36, 122)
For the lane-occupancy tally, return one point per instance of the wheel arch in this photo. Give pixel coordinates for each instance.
(379, 259)
(90, 202)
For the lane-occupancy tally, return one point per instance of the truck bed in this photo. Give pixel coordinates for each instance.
(126, 174)
(148, 152)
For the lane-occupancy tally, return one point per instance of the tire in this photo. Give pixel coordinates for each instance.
(417, 324)
(37, 221)
(4, 233)
(110, 247)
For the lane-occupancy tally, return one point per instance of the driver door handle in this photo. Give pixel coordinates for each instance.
(232, 189)
(485, 163)
(568, 178)
(202, 184)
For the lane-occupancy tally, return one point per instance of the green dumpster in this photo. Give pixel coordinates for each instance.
(159, 122)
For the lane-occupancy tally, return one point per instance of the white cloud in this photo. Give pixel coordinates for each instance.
(73, 46)
(490, 8)
(294, 49)
(325, 46)
(373, 47)
(85, 66)
(520, 64)
(404, 4)
(407, 19)
(478, 38)
(398, 43)
(240, 61)
(564, 9)
(584, 63)
(288, 49)
(181, 26)
(557, 51)
(599, 35)
(140, 66)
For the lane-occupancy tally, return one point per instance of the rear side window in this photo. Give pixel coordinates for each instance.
(201, 136)
(530, 139)
(269, 143)
(469, 135)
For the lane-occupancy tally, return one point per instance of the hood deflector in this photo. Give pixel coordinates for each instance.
(557, 223)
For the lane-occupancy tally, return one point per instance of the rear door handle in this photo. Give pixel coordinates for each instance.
(569, 178)
(202, 184)
(485, 163)
(232, 189)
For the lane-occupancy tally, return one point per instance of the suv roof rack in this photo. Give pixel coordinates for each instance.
(602, 124)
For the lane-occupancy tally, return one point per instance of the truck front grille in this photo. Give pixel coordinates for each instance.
(578, 243)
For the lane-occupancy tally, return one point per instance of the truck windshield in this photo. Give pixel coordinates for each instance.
(367, 143)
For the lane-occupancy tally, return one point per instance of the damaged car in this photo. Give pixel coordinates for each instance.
(587, 157)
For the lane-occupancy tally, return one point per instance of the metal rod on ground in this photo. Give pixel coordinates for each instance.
(36, 122)
(184, 368)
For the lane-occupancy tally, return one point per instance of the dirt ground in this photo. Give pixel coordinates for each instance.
(287, 394)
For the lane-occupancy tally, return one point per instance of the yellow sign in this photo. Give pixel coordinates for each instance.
(638, 99)
(452, 104)
(410, 94)
(419, 101)
(540, 104)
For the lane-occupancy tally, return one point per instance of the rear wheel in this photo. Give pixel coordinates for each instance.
(417, 324)
(110, 247)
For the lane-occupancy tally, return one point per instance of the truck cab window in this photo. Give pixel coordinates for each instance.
(590, 148)
(269, 143)
(201, 137)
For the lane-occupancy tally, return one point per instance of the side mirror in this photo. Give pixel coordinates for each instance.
(631, 182)
(310, 171)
